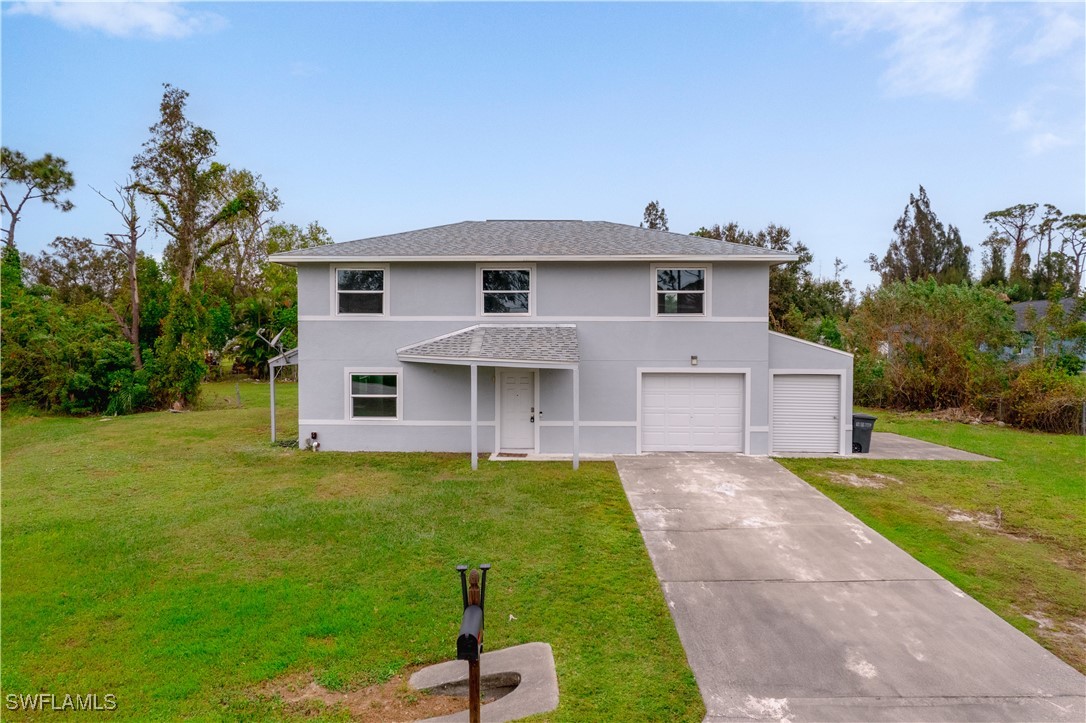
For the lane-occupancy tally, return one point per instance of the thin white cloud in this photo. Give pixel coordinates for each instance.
(1022, 118)
(1042, 131)
(158, 20)
(1060, 31)
(1045, 141)
(935, 49)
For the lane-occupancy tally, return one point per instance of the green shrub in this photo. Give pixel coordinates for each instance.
(68, 358)
(1043, 396)
(181, 351)
(924, 345)
(869, 380)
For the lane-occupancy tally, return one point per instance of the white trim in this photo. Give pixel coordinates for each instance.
(745, 371)
(568, 423)
(775, 259)
(372, 371)
(385, 290)
(532, 280)
(482, 361)
(841, 411)
(393, 422)
(760, 429)
(576, 418)
(706, 294)
(491, 319)
(474, 372)
(823, 347)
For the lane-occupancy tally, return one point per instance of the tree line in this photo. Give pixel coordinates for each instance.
(100, 325)
(934, 336)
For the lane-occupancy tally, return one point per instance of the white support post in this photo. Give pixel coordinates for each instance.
(271, 381)
(576, 419)
(474, 416)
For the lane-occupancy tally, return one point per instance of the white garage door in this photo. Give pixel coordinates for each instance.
(692, 413)
(806, 413)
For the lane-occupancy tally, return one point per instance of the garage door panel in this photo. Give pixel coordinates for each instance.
(806, 413)
(692, 412)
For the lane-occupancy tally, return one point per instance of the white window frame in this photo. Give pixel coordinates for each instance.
(706, 269)
(334, 308)
(372, 371)
(533, 283)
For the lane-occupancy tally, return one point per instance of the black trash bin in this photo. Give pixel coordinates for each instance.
(862, 426)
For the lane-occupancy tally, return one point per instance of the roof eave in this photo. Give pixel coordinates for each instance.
(487, 361)
(773, 259)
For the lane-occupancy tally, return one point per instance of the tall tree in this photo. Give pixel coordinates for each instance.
(177, 171)
(994, 260)
(1016, 223)
(1073, 229)
(76, 271)
(21, 180)
(241, 259)
(655, 217)
(922, 248)
(127, 245)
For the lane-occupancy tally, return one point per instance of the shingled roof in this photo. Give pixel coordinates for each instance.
(521, 240)
(546, 344)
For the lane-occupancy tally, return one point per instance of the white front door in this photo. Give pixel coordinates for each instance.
(517, 409)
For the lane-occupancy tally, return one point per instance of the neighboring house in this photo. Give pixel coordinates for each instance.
(556, 337)
(1024, 319)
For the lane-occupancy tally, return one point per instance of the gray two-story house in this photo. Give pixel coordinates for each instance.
(528, 338)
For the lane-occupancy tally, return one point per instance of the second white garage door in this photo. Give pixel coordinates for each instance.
(692, 412)
(806, 413)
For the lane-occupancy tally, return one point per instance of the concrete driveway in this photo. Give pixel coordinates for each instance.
(789, 608)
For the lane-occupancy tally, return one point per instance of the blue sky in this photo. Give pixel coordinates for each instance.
(376, 118)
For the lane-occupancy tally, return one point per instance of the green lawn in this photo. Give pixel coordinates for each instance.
(179, 560)
(1033, 564)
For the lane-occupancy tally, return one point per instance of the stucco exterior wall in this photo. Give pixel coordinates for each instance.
(611, 305)
(795, 356)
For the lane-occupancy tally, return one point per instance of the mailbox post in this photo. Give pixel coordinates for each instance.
(469, 644)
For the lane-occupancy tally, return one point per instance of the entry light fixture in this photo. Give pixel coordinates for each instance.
(694, 360)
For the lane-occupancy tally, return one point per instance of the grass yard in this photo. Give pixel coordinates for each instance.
(1029, 566)
(180, 561)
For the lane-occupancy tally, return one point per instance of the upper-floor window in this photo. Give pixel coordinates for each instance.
(506, 290)
(680, 290)
(361, 290)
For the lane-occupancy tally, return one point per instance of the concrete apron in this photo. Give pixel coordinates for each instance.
(789, 608)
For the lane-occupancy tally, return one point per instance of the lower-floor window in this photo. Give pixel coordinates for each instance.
(375, 396)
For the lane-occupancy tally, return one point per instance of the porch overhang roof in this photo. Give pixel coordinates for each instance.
(545, 346)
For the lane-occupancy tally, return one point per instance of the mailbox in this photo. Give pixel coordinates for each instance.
(470, 642)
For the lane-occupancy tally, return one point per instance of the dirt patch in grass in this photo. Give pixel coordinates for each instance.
(981, 519)
(954, 414)
(388, 702)
(993, 522)
(1067, 638)
(873, 480)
